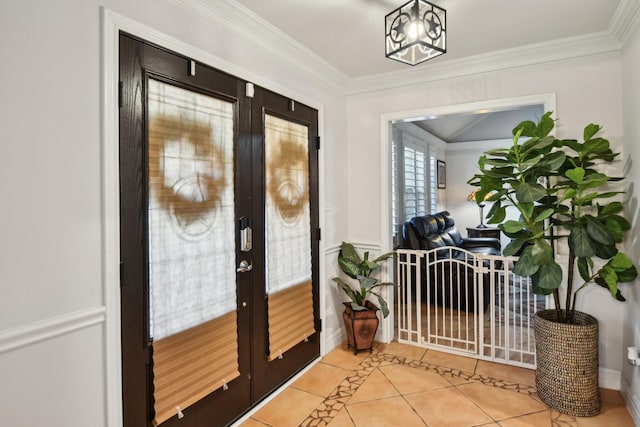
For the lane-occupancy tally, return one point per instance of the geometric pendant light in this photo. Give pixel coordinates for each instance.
(415, 32)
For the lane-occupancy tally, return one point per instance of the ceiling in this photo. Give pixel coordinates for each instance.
(349, 34)
(479, 126)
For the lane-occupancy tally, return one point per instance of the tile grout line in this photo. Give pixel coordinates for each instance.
(336, 400)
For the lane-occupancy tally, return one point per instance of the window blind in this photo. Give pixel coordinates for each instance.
(190, 365)
(288, 234)
(192, 278)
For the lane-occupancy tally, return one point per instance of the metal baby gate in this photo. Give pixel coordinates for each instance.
(456, 301)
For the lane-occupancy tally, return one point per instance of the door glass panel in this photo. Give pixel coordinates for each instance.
(288, 235)
(192, 278)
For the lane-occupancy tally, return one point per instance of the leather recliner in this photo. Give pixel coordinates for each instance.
(450, 266)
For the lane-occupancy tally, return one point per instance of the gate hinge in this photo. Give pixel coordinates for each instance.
(318, 233)
(318, 325)
(317, 142)
(120, 86)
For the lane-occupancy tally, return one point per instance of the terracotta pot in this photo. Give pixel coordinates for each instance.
(361, 326)
(567, 363)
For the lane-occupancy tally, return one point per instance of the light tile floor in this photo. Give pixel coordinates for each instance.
(401, 385)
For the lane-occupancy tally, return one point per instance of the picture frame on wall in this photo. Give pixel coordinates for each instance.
(442, 174)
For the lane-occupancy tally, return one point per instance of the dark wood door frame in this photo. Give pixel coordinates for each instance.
(138, 61)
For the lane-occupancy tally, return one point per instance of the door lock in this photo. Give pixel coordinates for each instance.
(244, 266)
(246, 243)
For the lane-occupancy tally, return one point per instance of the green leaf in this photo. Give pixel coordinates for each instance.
(622, 222)
(497, 213)
(597, 145)
(590, 130)
(530, 162)
(545, 125)
(349, 267)
(384, 257)
(576, 175)
(513, 247)
(573, 144)
(611, 208)
(349, 252)
(601, 282)
(542, 252)
(358, 307)
(615, 230)
(494, 161)
(347, 289)
(497, 152)
(611, 279)
(583, 268)
(367, 282)
(620, 262)
(525, 266)
(525, 128)
(548, 276)
(593, 180)
(383, 304)
(628, 275)
(553, 161)
(537, 145)
(599, 232)
(544, 215)
(512, 226)
(580, 242)
(569, 194)
(526, 208)
(606, 251)
(481, 161)
(528, 192)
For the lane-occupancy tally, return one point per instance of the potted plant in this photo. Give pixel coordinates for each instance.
(563, 196)
(360, 318)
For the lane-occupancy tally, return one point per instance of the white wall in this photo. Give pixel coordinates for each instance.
(52, 309)
(631, 112)
(586, 91)
(464, 158)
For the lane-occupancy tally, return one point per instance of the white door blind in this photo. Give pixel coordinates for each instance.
(288, 235)
(192, 278)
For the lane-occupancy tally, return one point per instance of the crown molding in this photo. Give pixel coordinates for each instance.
(243, 23)
(595, 44)
(625, 19)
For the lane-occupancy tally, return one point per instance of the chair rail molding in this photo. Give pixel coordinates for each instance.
(42, 330)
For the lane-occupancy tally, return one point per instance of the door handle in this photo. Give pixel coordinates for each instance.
(244, 266)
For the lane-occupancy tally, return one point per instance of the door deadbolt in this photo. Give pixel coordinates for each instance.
(244, 266)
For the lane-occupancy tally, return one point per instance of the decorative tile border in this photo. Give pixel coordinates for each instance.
(337, 399)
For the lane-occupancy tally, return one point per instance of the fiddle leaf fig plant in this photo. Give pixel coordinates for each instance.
(361, 269)
(562, 195)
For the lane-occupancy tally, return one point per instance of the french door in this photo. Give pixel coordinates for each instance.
(219, 240)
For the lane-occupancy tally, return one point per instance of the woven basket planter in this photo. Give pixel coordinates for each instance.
(567, 363)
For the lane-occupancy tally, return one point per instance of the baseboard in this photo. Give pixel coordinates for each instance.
(631, 401)
(332, 341)
(609, 378)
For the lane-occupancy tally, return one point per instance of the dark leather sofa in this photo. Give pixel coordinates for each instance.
(449, 265)
(439, 230)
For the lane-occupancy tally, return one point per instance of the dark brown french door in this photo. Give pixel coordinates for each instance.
(219, 240)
